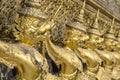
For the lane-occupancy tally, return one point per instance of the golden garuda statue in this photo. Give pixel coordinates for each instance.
(59, 40)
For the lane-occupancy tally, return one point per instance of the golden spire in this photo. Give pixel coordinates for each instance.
(82, 12)
(112, 30)
(95, 25)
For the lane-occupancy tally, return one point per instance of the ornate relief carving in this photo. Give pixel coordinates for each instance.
(75, 37)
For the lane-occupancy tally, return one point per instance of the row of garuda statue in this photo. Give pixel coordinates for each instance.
(86, 53)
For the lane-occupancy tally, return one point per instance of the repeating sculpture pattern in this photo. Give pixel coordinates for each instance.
(58, 40)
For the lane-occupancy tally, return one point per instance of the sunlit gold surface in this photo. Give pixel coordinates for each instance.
(81, 37)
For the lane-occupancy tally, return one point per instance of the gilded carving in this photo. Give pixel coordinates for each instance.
(58, 40)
